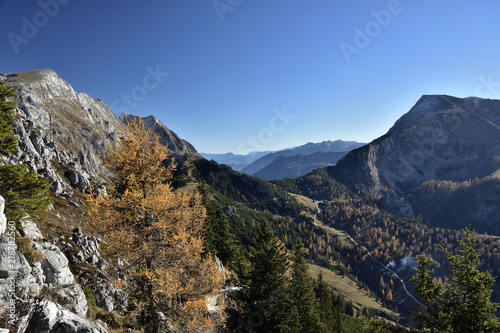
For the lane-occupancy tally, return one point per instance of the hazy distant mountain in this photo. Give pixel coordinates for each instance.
(307, 149)
(298, 165)
(237, 162)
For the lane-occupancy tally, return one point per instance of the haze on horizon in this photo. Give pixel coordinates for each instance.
(240, 76)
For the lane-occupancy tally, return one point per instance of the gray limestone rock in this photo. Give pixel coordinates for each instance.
(73, 298)
(15, 271)
(396, 205)
(51, 317)
(54, 265)
(89, 245)
(104, 299)
(230, 211)
(167, 137)
(79, 181)
(30, 229)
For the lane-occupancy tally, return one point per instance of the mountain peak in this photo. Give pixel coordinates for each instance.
(167, 136)
(437, 139)
(33, 76)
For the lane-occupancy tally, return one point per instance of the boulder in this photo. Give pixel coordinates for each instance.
(73, 298)
(104, 299)
(15, 271)
(78, 180)
(55, 265)
(51, 317)
(230, 211)
(30, 229)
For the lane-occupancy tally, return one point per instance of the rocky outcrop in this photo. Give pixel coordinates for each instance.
(25, 282)
(54, 265)
(230, 211)
(61, 131)
(16, 279)
(48, 316)
(396, 205)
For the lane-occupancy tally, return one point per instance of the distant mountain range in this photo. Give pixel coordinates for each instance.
(237, 162)
(287, 163)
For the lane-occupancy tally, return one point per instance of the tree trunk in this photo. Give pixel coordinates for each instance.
(152, 309)
(151, 298)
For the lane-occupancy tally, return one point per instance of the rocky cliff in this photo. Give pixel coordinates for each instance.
(61, 132)
(440, 138)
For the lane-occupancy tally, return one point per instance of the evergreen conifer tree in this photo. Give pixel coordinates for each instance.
(302, 292)
(219, 240)
(325, 298)
(463, 305)
(23, 190)
(430, 292)
(267, 292)
(8, 142)
(467, 304)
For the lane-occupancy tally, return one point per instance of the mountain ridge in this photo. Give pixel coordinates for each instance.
(437, 139)
(61, 132)
(306, 149)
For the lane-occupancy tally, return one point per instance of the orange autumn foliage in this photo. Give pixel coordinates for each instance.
(158, 233)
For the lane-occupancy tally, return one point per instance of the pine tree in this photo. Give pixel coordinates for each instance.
(158, 233)
(467, 304)
(267, 292)
(430, 292)
(326, 300)
(23, 190)
(8, 141)
(339, 309)
(302, 292)
(463, 304)
(219, 240)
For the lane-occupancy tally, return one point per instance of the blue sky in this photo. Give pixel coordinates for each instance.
(241, 75)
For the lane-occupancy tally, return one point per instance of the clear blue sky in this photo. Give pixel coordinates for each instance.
(331, 69)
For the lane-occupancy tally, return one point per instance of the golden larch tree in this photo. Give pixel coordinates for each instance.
(157, 233)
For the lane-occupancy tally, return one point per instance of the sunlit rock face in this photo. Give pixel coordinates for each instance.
(441, 138)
